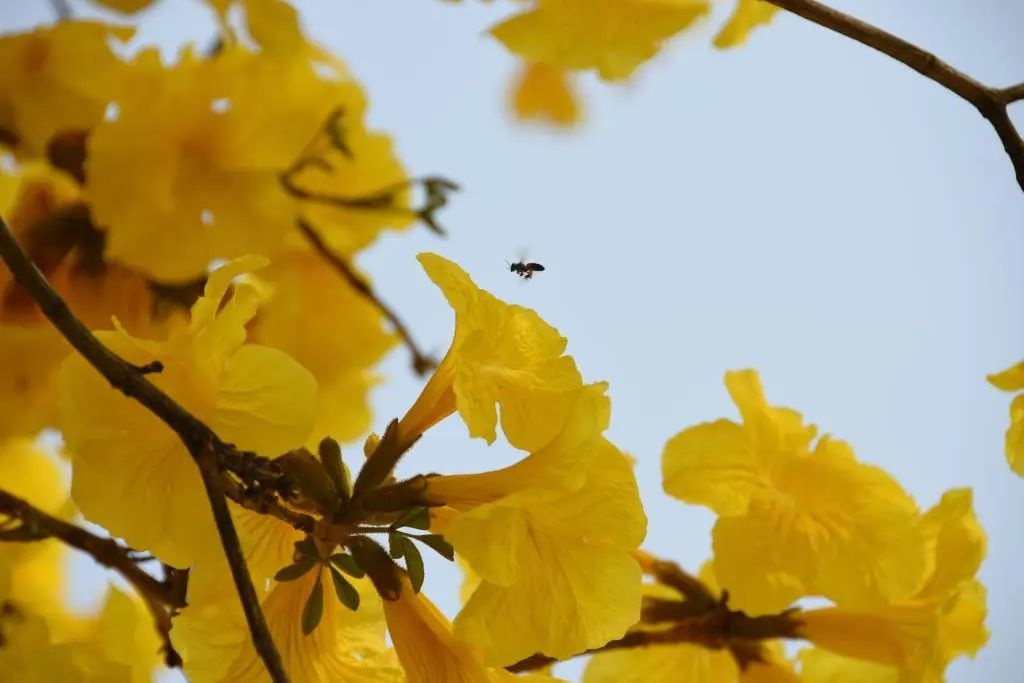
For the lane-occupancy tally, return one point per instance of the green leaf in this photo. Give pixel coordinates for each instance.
(417, 518)
(347, 564)
(314, 608)
(306, 547)
(347, 593)
(438, 544)
(330, 456)
(396, 545)
(294, 571)
(414, 564)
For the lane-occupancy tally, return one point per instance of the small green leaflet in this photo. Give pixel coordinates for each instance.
(314, 608)
(347, 564)
(347, 593)
(417, 518)
(400, 546)
(294, 571)
(437, 544)
(306, 547)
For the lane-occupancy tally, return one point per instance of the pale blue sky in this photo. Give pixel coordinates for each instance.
(802, 205)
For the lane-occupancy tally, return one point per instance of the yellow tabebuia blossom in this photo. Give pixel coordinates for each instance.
(913, 638)
(42, 214)
(1012, 379)
(544, 93)
(253, 396)
(430, 652)
(550, 538)
(748, 15)
(793, 522)
(685, 661)
(612, 36)
(318, 319)
(501, 354)
(347, 645)
(57, 78)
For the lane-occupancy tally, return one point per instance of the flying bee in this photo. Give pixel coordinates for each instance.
(525, 270)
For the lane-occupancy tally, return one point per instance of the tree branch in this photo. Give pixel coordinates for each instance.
(161, 599)
(991, 103)
(421, 362)
(203, 445)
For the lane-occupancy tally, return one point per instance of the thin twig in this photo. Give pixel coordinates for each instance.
(203, 445)
(161, 599)
(421, 362)
(991, 103)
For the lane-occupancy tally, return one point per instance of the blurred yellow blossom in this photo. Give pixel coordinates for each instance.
(545, 93)
(1012, 379)
(793, 522)
(253, 396)
(612, 36)
(57, 78)
(748, 15)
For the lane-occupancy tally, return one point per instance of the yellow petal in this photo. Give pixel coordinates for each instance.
(748, 15)
(612, 36)
(1015, 436)
(1010, 379)
(713, 464)
(682, 662)
(125, 6)
(545, 93)
(564, 580)
(821, 666)
(959, 544)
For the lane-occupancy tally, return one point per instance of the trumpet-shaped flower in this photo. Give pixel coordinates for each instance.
(253, 396)
(612, 36)
(794, 522)
(550, 539)
(347, 645)
(544, 93)
(1012, 379)
(429, 651)
(913, 638)
(57, 78)
(501, 354)
(318, 319)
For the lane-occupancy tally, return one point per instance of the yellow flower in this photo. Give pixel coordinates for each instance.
(794, 522)
(612, 36)
(748, 15)
(550, 538)
(685, 661)
(57, 78)
(253, 396)
(314, 316)
(544, 93)
(429, 651)
(347, 645)
(913, 638)
(1012, 379)
(125, 6)
(503, 354)
(208, 186)
(65, 247)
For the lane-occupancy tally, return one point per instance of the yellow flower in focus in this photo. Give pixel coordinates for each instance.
(429, 651)
(545, 93)
(794, 522)
(612, 36)
(550, 539)
(57, 78)
(318, 319)
(916, 637)
(748, 15)
(503, 354)
(1012, 379)
(208, 186)
(253, 396)
(216, 645)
